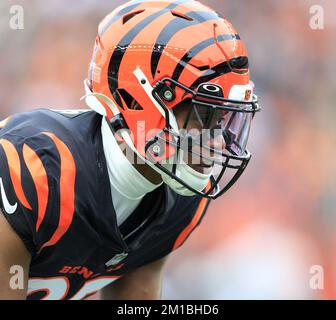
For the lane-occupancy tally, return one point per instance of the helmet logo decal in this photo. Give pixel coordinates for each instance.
(248, 94)
(211, 88)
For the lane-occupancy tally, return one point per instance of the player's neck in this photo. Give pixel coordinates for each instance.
(131, 180)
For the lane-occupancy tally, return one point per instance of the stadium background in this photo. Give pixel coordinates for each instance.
(261, 239)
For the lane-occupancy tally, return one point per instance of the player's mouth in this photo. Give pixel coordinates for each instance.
(206, 164)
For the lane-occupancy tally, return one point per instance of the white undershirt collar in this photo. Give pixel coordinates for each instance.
(128, 186)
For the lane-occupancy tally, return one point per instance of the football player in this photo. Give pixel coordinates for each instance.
(98, 199)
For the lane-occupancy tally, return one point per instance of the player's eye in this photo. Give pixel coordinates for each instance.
(207, 117)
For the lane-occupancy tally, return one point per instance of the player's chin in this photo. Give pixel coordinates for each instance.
(202, 167)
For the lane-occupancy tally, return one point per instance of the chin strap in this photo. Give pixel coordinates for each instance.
(92, 100)
(197, 180)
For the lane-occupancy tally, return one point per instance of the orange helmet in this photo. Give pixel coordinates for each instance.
(152, 58)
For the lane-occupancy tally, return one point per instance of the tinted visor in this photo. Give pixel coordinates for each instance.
(215, 128)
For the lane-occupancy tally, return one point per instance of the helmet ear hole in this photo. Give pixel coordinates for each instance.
(130, 102)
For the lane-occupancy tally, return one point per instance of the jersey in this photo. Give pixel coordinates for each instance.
(56, 195)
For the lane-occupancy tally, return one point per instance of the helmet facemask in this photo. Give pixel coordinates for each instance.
(200, 54)
(209, 149)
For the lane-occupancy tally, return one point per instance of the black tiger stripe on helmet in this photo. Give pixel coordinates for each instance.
(193, 52)
(121, 48)
(176, 25)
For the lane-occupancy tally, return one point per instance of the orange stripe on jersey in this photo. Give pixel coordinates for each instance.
(39, 175)
(191, 226)
(67, 190)
(15, 171)
(4, 122)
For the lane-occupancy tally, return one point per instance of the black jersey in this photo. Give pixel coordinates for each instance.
(56, 195)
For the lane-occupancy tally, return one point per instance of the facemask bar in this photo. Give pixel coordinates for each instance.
(205, 100)
(213, 191)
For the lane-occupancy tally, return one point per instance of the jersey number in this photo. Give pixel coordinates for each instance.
(57, 288)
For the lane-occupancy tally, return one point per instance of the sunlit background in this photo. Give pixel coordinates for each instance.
(262, 239)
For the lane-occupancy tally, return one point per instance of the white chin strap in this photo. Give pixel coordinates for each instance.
(192, 177)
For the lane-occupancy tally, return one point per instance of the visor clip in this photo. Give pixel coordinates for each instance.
(155, 147)
(166, 92)
(156, 150)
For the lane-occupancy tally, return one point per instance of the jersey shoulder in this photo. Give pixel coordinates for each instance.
(40, 152)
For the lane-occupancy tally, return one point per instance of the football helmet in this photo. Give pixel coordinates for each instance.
(172, 79)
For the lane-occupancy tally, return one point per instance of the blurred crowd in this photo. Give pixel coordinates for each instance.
(262, 238)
